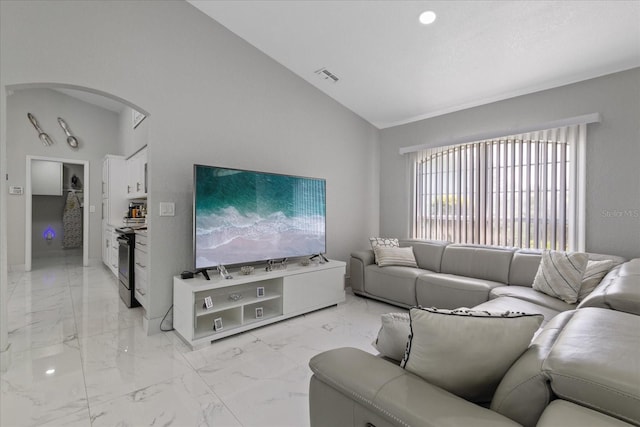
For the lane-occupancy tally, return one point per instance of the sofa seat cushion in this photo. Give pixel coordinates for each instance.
(567, 414)
(452, 291)
(595, 362)
(517, 305)
(531, 295)
(394, 283)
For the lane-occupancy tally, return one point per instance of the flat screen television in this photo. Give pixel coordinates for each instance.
(243, 217)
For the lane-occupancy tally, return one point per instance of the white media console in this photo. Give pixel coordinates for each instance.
(249, 301)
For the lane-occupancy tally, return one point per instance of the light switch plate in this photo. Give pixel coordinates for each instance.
(15, 190)
(167, 209)
(92, 208)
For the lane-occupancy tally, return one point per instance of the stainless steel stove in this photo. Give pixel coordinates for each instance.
(126, 263)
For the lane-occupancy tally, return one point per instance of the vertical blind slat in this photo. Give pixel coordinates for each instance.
(553, 192)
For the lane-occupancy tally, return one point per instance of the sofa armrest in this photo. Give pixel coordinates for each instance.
(366, 257)
(619, 290)
(359, 260)
(389, 393)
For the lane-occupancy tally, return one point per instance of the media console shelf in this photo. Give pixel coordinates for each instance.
(250, 301)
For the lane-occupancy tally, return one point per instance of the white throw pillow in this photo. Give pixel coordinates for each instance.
(386, 242)
(467, 352)
(593, 275)
(560, 274)
(395, 256)
(393, 335)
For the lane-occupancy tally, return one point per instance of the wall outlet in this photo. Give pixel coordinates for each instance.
(92, 208)
(167, 209)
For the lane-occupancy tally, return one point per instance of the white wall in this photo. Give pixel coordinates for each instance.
(613, 153)
(97, 131)
(211, 98)
(130, 139)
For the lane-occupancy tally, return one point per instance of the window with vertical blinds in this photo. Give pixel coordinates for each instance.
(510, 191)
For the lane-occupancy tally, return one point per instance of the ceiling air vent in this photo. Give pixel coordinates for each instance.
(327, 75)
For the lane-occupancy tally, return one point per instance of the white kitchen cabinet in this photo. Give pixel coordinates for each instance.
(141, 261)
(46, 178)
(110, 248)
(137, 175)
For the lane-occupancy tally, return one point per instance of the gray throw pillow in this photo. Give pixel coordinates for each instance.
(393, 335)
(467, 352)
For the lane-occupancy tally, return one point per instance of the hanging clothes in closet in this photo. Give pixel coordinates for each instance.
(72, 221)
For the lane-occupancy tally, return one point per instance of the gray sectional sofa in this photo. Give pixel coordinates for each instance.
(581, 369)
(457, 275)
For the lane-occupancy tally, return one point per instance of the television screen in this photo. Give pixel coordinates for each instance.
(247, 216)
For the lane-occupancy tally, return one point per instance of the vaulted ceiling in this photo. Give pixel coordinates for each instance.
(391, 69)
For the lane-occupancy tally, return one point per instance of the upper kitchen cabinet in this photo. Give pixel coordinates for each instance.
(137, 175)
(46, 178)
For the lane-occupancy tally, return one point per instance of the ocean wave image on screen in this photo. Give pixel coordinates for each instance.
(248, 216)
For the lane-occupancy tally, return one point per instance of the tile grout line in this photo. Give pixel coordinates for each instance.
(75, 324)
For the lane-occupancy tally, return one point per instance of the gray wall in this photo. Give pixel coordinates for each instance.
(613, 153)
(97, 130)
(211, 98)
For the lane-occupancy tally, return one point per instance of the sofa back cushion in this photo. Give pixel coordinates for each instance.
(428, 253)
(481, 262)
(524, 267)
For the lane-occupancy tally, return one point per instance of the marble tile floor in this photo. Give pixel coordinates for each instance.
(81, 358)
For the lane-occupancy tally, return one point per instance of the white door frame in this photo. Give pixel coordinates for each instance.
(29, 211)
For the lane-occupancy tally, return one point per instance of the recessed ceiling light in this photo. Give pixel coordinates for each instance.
(50, 371)
(427, 17)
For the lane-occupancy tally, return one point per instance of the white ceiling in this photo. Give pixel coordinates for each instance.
(393, 70)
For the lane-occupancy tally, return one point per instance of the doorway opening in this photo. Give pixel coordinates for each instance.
(57, 221)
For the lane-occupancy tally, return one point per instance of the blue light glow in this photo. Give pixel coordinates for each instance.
(49, 234)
